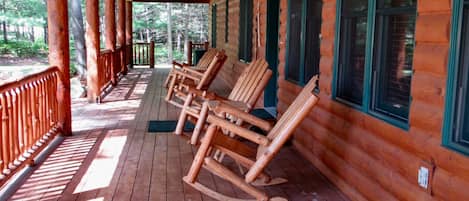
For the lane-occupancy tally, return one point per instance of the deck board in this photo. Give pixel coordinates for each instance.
(111, 156)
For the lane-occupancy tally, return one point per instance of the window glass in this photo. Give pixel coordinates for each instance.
(462, 99)
(392, 71)
(352, 52)
(294, 40)
(313, 40)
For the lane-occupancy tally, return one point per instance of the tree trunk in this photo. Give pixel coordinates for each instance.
(46, 37)
(78, 32)
(170, 35)
(148, 35)
(17, 31)
(4, 24)
(179, 41)
(186, 28)
(31, 35)
(46, 31)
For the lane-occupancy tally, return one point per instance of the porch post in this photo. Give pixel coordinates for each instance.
(110, 33)
(128, 32)
(121, 34)
(92, 49)
(59, 55)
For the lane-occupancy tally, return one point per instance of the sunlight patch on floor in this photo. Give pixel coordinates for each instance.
(103, 167)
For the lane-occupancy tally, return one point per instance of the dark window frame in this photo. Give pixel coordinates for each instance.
(373, 63)
(245, 30)
(303, 73)
(227, 20)
(456, 113)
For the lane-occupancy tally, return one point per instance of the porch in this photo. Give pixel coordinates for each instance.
(111, 156)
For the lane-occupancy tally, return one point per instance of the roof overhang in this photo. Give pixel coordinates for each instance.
(174, 1)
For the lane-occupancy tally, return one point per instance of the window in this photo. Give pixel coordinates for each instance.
(456, 127)
(227, 17)
(374, 57)
(303, 40)
(245, 30)
(214, 25)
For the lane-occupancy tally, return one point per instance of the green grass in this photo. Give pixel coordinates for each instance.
(23, 48)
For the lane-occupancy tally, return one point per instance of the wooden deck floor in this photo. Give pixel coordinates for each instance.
(112, 157)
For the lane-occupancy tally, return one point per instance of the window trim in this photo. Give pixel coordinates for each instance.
(365, 107)
(451, 82)
(301, 82)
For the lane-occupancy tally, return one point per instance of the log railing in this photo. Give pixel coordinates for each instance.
(106, 69)
(144, 54)
(29, 119)
(194, 46)
(110, 67)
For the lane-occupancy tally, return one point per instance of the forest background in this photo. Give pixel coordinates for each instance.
(23, 29)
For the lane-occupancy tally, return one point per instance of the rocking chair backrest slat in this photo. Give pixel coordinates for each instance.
(212, 70)
(252, 84)
(206, 59)
(243, 78)
(246, 88)
(284, 128)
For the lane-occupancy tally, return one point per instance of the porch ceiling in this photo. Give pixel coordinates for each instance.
(174, 1)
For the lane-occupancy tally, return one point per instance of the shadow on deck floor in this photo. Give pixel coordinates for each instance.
(112, 157)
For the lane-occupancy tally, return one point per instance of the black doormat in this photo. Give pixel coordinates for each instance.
(167, 126)
(261, 113)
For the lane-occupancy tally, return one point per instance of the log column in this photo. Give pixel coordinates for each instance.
(110, 33)
(121, 34)
(128, 32)
(59, 56)
(92, 49)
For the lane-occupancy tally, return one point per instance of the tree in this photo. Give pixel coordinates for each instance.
(78, 32)
(170, 35)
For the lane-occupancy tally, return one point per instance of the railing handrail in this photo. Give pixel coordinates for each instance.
(105, 51)
(27, 78)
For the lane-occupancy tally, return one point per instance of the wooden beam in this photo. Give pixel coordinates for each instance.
(110, 33)
(128, 32)
(92, 49)
(59, 55)
(121, 34)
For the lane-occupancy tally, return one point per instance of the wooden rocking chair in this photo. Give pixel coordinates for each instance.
(244, 95)
(202, 66)
(254, 160)
(185, 78)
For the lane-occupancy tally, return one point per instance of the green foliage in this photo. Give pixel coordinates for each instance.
(24, 12)
(23, 48)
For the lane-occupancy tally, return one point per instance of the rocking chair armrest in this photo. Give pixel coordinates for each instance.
(204, 94)
(199, 69)
(177, 64)
(223, 107)
(190, 70)
(238, 130)
(186, 75)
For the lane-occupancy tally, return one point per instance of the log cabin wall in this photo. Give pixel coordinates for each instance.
(367, 158)
(233, 66)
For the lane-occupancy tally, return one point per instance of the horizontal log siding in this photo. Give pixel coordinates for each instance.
(233, 67)
(370, 159)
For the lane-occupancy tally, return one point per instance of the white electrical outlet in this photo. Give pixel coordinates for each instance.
(423, 177)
